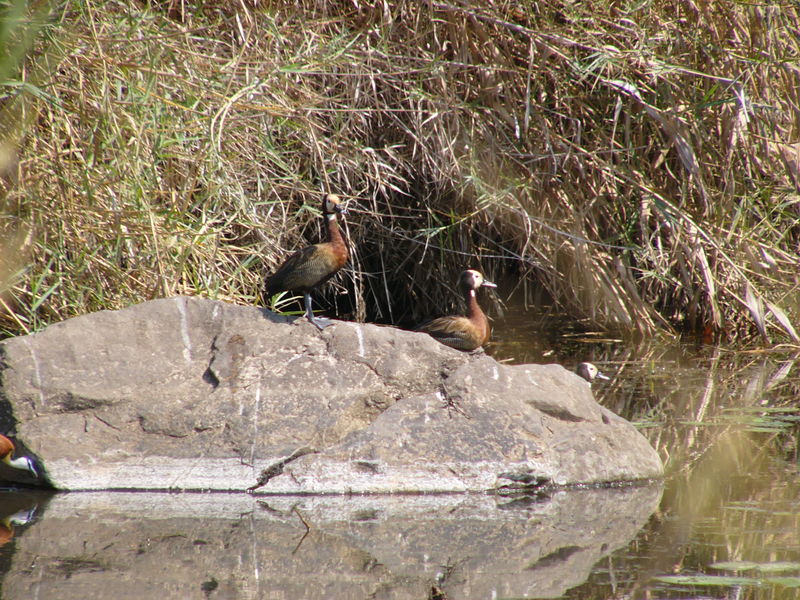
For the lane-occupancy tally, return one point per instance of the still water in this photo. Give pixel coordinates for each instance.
(726, 424)
(725, 523)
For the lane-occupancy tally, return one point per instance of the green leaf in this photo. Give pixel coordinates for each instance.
(793, 582)
(771, 567)
(708, 580)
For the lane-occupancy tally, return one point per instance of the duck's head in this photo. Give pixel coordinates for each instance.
(332, 204)
(23, 463)
(590, 372)
(472, 280)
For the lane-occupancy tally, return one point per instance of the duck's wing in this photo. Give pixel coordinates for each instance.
(301, 271)
(456, 332)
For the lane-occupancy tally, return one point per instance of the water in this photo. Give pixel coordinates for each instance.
(724, 524)
(726, 424)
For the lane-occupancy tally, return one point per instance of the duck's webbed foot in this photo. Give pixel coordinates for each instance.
(318, 322)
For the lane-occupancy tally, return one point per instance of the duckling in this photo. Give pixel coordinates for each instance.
(23, 462)
(590, 372)
(470, 331)
(307, 269)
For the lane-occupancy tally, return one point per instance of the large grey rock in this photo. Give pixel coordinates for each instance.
(187, 393)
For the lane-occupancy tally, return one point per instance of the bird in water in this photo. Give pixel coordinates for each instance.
(23, 462)
(470, 331)
(590, 372)
(307, 269)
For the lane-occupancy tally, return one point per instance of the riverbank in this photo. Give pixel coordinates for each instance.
(637, 167)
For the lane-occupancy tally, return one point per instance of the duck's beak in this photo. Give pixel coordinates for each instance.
(488, 284)
(601, 376)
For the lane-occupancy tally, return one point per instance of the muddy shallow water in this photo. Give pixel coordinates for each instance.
(724, 524)
(726, 423)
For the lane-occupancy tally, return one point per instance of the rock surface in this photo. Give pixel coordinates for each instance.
(189, 393)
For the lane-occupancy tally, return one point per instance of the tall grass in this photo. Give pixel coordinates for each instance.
(637, 164)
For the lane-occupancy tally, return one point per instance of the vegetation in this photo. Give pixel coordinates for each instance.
(637, 163)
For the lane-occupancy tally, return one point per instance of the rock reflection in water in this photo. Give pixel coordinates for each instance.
(133, 545)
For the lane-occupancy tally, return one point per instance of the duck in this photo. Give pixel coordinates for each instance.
(309, 268)
(23, 462)
(7, 524)
(467, 332)
(590, 372)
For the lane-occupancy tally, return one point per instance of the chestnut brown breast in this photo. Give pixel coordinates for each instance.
(6, 447)
(458, 332)
(467, 332)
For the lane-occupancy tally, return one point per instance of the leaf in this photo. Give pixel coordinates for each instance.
(735, 565)
(784, 581)
(756, 307)
(626, 87)
(783, 320)
(670, 124)
(779, 376)
(779, 567)
(700, 254)
(709, 580)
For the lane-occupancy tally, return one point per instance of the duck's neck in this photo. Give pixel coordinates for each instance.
(334, 233)
(336, 240)
(477, 317)
(473, 308)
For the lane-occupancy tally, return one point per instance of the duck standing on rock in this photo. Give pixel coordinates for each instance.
(470, 331)
(307, 269)
(6, 455)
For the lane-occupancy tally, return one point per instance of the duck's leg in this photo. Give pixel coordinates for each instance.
(319, 323)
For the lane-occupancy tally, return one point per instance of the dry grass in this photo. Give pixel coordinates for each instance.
(640, 165)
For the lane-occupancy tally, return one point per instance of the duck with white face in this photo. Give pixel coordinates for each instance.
(590, 372)
(467, 332)
(309, 268)
(22, 463)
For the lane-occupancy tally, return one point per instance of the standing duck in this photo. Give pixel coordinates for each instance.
(590, 372)
(6, 455)
(309, 268)
(470, 331)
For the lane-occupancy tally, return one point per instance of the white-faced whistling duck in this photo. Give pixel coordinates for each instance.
(590, 372)
(6, 455)
(307, 269)
(470, 331)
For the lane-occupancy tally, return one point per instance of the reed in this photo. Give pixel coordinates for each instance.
(637, 165)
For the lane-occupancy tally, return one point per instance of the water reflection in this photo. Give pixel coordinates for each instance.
(18, 508)
(129, 545)
(726, 425)
(719, 534)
